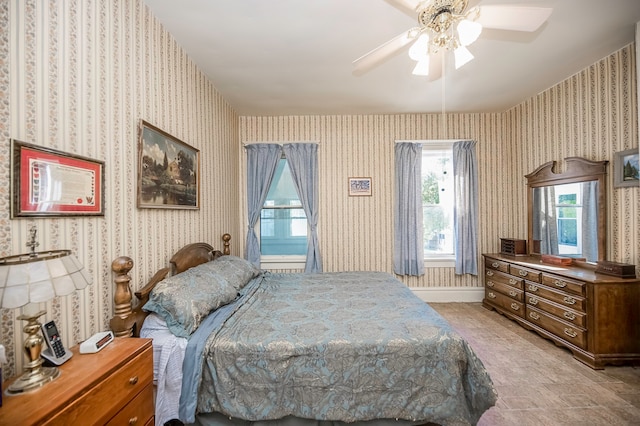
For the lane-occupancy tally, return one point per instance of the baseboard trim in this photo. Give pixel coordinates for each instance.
(449, 294)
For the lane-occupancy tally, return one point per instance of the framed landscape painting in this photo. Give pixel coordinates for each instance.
(168, 171)
(626, 168)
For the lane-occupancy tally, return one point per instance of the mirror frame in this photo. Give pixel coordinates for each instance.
(578, 169)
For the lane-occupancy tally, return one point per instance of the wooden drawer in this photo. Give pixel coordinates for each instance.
(495, 264)
(574, 317)
(505, 302)
(114, 391)
(565, 299)
(563, 330)
(526, 273)
(506, 289)
(564, 284)
(500, 277)
(138, 411)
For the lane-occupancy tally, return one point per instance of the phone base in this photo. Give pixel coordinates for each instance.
(51, 359)
(32, 380)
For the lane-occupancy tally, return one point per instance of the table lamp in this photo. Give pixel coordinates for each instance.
(35, 278)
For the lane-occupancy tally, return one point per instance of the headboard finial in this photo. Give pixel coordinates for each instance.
(226, 238)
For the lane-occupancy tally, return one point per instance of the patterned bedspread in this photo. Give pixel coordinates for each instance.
(337, 346)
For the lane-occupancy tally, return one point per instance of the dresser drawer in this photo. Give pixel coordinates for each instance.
(564, 284)
(115, 391)
(506, 289)
(505, 302)
(574, 317)
(563, 330)
(501, 277)
(495, 264)
(526, 273)
(138, 411)
(565, 299)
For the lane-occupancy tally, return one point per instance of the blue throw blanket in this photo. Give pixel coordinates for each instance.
(335, 346)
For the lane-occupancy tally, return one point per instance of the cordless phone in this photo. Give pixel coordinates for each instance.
(55, 352)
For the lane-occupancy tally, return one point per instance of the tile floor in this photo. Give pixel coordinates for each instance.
(539, 383)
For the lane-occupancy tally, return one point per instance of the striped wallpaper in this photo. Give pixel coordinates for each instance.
(78, 75)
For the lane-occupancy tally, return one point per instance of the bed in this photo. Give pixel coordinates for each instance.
(236, 345)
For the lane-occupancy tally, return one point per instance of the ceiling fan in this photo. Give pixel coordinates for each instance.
(447, 25)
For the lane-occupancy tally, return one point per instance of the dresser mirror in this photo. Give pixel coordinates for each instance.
(567, 212)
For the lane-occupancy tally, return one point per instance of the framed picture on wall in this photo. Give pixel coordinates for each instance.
(168, 171)
(359, 186)
(626, 169)
(47, 182)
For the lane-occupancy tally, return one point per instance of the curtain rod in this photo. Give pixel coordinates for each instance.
(278, 143)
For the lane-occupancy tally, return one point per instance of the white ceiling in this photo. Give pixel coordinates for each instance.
(294, 57)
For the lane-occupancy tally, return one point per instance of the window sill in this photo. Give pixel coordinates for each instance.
(282, 262)
(440, 262)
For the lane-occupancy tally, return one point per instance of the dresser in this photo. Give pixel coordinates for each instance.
(595, 316)
(113, 386)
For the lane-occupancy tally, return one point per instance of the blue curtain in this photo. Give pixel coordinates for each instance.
(303, 163)
(465, 216)
(262, 160)
(408, 254)
(590, 220)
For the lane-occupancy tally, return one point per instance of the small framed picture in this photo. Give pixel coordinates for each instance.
(359, 186)
(47, 182)
(626, 169)
(168, 171)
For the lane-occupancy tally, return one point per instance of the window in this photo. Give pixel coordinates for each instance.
(438, 200)
(283, 223)
(569, 216)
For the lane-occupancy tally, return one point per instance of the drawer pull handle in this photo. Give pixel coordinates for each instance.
(560, 283)
(570, 300)
(534, 316)
(490, 283)
(133, 420)
(512, 293)
(522, 273)
(491, 295)
(495, 264)
(570, 333)
(515, 306)
(570, 316)
(133, 380)
(533, 287)
(533, 301)
(489, 273)
(512, 281)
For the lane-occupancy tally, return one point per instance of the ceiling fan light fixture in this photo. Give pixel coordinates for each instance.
(468, 32)
(420, 49)
(422, 67)
(462, 56)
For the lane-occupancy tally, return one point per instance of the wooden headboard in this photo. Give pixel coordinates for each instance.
(127, 319)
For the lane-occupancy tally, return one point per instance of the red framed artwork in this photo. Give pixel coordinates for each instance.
(46, 182)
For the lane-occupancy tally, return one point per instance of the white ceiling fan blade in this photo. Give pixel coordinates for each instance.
(383, 52)
(514, 18)
(407, 6)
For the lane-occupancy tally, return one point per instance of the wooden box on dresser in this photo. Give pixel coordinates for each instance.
(111, 387)
(595, 316)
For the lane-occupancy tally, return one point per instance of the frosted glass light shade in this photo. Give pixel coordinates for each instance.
(422, 67)
(462, 56)
(420, 49)
(468, 32)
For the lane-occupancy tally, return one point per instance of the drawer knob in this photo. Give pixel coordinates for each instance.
(570, 300)
(495, 264)
(512, 293)
(515, 306)
(570, 333)
(512, 281)
(133, 420)
(491, 295)
(533, 301)
(133, 380)
(522, 273)
(560, 283)
(533, 287)
(489, 273)
(569, 315)
(534, 316)
(490, 283)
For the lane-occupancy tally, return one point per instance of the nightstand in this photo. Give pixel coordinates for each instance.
(113, 386)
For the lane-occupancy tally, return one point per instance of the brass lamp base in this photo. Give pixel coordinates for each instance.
(35, 374)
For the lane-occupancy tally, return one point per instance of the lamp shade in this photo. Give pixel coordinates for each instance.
(468, 32)
(39, 277)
